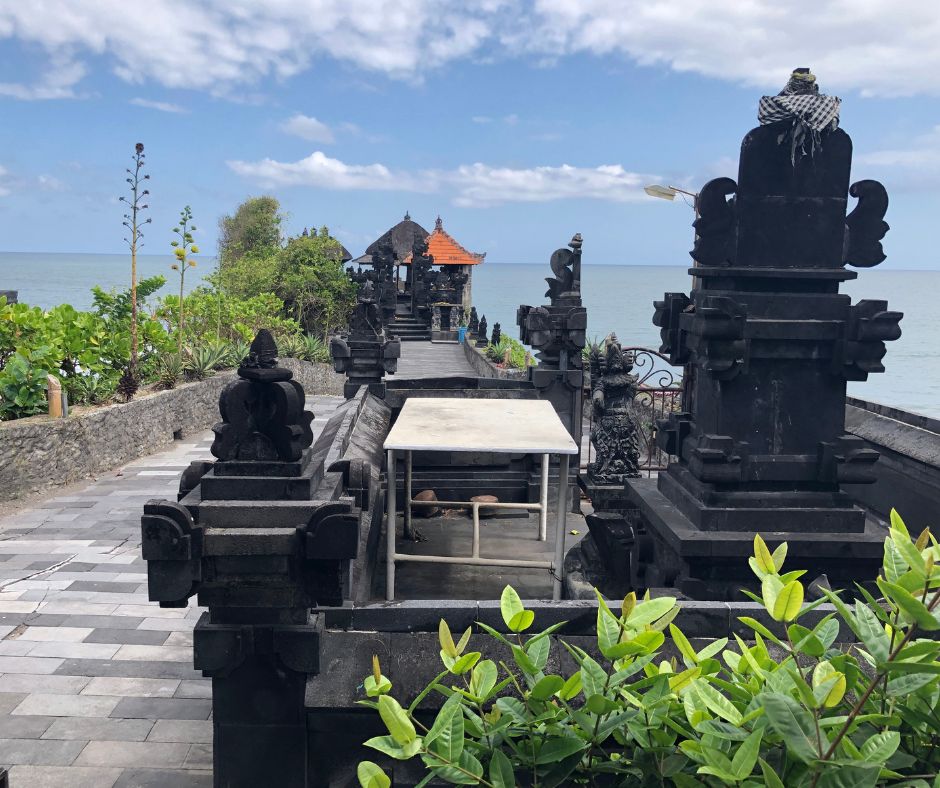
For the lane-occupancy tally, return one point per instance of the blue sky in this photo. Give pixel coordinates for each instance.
(519, 123)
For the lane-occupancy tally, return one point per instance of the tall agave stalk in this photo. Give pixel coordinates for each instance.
(134, 223)
(182, 249)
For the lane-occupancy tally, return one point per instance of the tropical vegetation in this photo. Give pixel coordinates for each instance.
(842, 698)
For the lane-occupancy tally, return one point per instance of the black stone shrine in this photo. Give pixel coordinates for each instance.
(248, 537)
(769, 343)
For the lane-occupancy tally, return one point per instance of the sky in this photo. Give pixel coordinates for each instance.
(519, 123)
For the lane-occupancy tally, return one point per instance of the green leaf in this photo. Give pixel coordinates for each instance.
(742, 764)
(501, 774)
(894, 565)
(392, 748)
(758, 627)
(510, 605)
(897, 524)
(805, 641)
(716, 702)
(848, 776)
(521, 621)
(788, 602)
(770, 588)
(396, 720)
(446, 735)
(446, 639)
(546, 687)
(682, 642)
(779, 556)
(472, 769)
(912, 607)
(537, 649)
(608, 629)
(571, 687)
(593, 677)
(793, 723)
(871, 631)
(557, 748)
(770, 776)
(881, 746)
(371, 776)
(647, 611)
(765, 561)
(483, 679)
(908, 683)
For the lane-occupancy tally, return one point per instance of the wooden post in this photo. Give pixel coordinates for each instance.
(54, 395)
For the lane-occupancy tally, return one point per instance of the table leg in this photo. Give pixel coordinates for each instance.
(408, 531)
(543, 500)
(390, 529)
(476, 530)
(558, 571)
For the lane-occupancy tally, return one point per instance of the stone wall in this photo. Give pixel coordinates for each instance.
(486, 368)
(908, 471)
(41, 453)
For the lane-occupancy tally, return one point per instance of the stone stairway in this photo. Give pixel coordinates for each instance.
(407, 327)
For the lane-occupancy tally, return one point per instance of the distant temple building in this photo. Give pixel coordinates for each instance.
(441, 246)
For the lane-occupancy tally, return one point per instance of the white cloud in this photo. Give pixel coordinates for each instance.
(49, 183)
(162, 106)
(921, 153)
(5, 181)
(511, 120)
(482, 119)
(57, 81)
(321, 171)
(881, 47)
(307, 128)
(469, 185)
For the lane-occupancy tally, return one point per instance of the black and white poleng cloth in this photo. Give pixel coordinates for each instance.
(817, 111)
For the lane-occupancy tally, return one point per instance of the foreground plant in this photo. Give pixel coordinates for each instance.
(788, 708)
(183, 249)
(134, 223)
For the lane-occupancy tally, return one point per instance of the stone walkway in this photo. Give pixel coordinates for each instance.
(97, 688)
(431, 360)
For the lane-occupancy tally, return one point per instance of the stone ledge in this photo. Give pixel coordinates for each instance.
(41, 453)
(486, 368)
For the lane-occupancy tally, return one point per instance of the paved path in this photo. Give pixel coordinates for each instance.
(431, 360)
(97, 688)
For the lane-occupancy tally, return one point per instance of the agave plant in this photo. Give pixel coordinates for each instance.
(91, 389)
(315, 349)
(236, 352)
(292, 345)
(222, 353)
(201, 362)
(169, 370)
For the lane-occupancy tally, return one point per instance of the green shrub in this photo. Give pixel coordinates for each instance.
(91, 389)
(201, 362)
(169, 370)
(518, 356)
(23, 384)
(804, 712)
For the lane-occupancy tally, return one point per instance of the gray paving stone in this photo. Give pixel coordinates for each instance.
(128, 668)
(75, 650)
(184, 731)
(132, 687)
(200, 757)
(102, 622)
(23, 727)
(157, 755)
(63, 776)
(163, 708)
(10, 700)
(30, 665)
(29, 682)
(201, 688)
(40, 752)
(98, 729)
(140, 637)
(153, 778)
(100, 585)
(67, 705)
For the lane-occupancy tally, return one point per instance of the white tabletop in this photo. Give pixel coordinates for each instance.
(525, 426)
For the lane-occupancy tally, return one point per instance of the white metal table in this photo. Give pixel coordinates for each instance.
(509, 426)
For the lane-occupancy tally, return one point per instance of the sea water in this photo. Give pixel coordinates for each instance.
(618, 298)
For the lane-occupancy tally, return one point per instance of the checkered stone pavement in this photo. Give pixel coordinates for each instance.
(97, 687)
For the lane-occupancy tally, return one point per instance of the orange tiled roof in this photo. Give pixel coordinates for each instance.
(446, 251)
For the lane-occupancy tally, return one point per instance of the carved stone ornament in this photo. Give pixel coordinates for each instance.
(614, 434)
(263, 416)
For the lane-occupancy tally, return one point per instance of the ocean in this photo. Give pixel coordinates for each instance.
(618, 298)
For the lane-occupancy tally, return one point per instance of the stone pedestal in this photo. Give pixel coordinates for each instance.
(248, 537)
(445, 319)
(365, 354)
(557, 333)
(770, 343)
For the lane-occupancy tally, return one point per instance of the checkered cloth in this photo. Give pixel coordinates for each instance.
(811, 112)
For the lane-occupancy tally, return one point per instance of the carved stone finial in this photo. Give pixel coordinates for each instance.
(263, 351)
(407, 216)
(438, 224)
